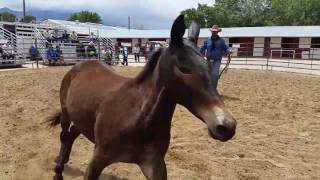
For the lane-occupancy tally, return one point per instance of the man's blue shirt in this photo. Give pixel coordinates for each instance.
(215, 48)
(51, 53)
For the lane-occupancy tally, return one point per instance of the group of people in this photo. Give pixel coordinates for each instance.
(7, 51)
(60, 36)
(137, 51)
(63, 36)
(54, 55)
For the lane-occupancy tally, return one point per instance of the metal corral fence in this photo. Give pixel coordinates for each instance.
(292, 57)
(302, 58)
(71, 53)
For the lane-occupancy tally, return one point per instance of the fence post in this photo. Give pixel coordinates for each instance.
(99, 50)
(290, 59)
(312, 57)
(36, 45)
(268, 57)
(11, 39)
(247, 54)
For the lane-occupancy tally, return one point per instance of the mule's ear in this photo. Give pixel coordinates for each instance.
(177, 31)
(193, 33)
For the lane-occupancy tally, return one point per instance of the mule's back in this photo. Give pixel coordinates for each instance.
(83, 89)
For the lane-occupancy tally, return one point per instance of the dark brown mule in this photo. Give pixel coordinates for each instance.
(129, 119)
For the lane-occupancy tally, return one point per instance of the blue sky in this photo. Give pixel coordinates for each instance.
(149, 13)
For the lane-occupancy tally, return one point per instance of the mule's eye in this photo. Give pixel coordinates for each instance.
(185, 70)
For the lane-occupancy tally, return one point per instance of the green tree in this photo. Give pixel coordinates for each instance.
(225, 17)
(85, 16)
(252, 12)
(189, 15)
(201, 15)
(8, 17)
(230, 13)
(222, 13)
(295, 12)
(28, 19)
(241, 12)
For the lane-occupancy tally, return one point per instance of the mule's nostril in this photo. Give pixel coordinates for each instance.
(223, 130)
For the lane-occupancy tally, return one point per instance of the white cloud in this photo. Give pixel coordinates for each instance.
(160, 12)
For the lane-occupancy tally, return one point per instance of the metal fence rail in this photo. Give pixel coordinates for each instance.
(304, 58)
(11, 54)
(293, 57)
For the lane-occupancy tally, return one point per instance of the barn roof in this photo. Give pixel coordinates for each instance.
(120, 32)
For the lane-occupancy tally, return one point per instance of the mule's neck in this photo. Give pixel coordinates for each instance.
(158, 107)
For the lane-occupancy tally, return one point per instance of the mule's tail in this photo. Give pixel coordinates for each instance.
(55, 119)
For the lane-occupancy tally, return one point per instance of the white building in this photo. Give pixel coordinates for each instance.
(297, 41)
(275, 41)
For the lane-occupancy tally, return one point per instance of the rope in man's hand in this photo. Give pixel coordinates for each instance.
(225, 69)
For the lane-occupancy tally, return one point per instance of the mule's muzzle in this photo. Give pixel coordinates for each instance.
(223, 131)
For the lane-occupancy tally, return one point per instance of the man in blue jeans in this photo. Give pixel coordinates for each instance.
(214, 48)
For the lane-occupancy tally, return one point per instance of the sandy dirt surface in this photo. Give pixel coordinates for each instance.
(278, 134)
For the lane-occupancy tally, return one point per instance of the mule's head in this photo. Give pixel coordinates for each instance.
(186, 76)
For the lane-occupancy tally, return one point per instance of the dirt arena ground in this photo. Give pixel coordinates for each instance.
(278, 134)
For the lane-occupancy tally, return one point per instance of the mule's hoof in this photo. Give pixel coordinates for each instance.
(58, 177)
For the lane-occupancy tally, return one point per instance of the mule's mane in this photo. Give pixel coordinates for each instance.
(150, 66)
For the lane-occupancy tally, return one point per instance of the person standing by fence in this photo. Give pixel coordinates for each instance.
(136, 52)
(214, 48)
(34, 53)
(125, 56)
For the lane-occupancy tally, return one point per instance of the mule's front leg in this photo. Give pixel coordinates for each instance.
(154, 169)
